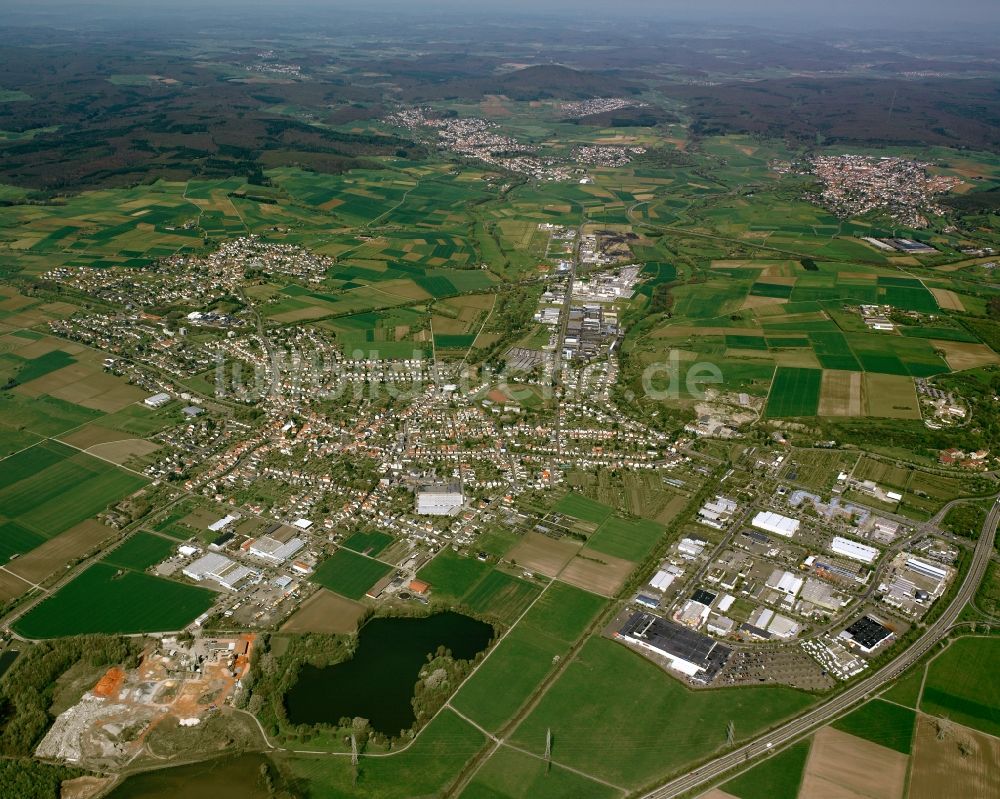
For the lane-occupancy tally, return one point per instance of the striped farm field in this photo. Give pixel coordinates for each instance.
(795, 391)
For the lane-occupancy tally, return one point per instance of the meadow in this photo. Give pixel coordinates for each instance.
(514, 775)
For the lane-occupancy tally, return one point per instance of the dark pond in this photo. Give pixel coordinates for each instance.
(222, 777)
(7, 660)
(377, 683)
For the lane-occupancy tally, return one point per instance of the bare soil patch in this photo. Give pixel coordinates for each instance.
(940, 769)
(83, 787)
(325, 612)
(57, 552)
(542, 554)
(843, 766)
(753, 301)
(948, 299)
(596, 572)
(966, 355)
(121, 451)
(840, 393)
(91, 434)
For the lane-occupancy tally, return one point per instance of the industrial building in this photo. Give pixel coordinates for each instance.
(691, 548)
(224, 522)
(273, 550)
(225, 572)
(157, 400)
(663, 579)
(785, 582)
(686, 651)
(776, 523)
(819, 595)
(717, 512)
(853, 550)
(440, 499)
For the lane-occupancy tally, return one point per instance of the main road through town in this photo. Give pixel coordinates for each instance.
(829, 710)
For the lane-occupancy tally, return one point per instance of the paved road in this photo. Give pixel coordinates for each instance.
(856, 693)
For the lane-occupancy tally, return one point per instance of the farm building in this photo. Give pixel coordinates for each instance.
(688, 652)
(440, 499)
(376, 590)
(776, 523)
(853, 550)
(157, 400)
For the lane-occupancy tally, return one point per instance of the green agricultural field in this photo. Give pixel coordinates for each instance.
(28, 369)
(16, 540)
(640, 703)
(42, 416)
(778, 777)
(510, 774)
(349, 574)
(370, 543)
(580, 507)
(12, 441)
(501, 596)
(522, 659)
(50, 487)
(795, 392)
(101, 600)
(564, 612)
(622, 538)
(518, 663)
(451, 575)
(140, 552)
(906, 691)
(883, 723)
(961, 684)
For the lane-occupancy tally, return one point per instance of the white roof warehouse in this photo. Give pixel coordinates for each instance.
(854, 550)
(776, 523)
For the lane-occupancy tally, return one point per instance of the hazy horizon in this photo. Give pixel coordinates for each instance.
(848, 15)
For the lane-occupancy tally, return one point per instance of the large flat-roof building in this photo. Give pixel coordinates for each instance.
(440, 499)
(853, 550)
(157, 400)
(686, 651)
(273, 550)
(776, 523)
(867, 634)
(213, 566)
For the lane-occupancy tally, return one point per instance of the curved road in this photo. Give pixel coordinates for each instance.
(840, 703)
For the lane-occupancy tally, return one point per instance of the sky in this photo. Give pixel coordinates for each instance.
(928, 15)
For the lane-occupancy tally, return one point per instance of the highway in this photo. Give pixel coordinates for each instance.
(856, 693)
